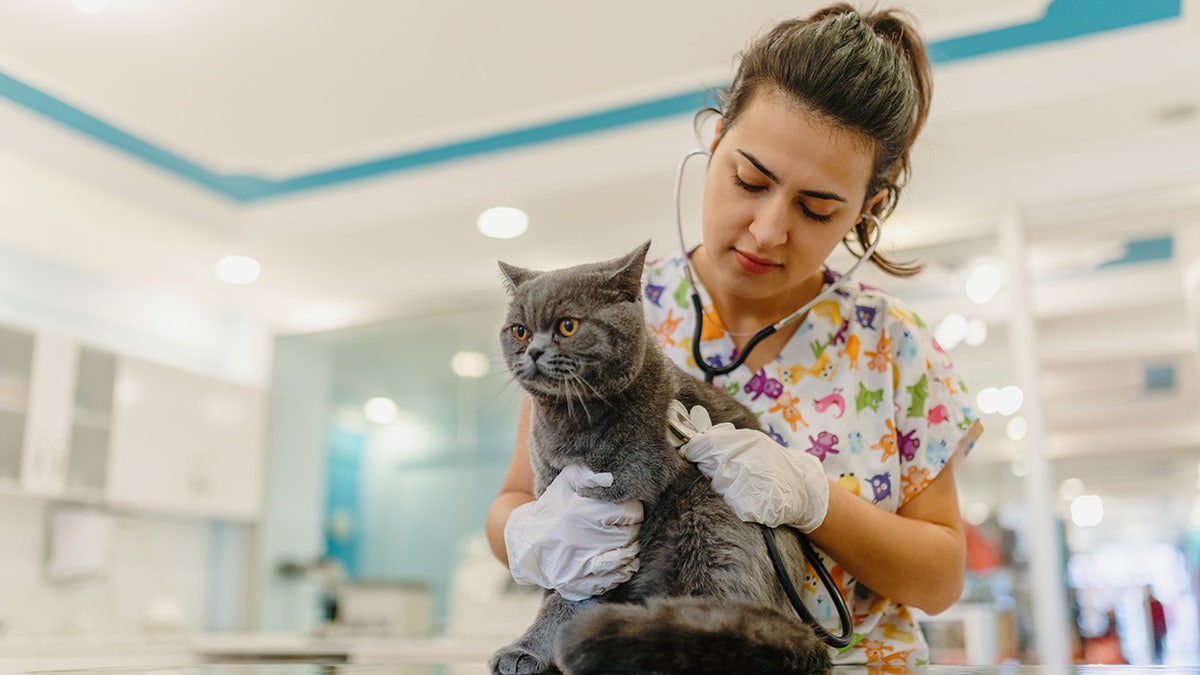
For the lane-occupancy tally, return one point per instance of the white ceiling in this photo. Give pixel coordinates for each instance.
(290, 88)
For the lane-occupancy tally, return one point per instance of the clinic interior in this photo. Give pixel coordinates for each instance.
(248, 308)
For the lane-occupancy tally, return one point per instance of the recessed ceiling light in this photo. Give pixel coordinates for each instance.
(238, 269)
(380, 410)
(502, 222)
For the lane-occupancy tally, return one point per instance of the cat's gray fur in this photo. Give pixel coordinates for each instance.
(705, 599)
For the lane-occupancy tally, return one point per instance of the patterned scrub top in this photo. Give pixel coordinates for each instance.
(861, 385)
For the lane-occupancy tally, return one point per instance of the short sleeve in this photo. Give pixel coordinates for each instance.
(935, 423)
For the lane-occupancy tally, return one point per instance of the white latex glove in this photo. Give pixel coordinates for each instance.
(762, 481)
(578, 546)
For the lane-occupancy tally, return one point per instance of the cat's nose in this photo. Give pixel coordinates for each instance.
(537, 346)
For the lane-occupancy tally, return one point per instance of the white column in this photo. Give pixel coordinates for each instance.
(1050, 617)
(292, 526)
(1187, 252)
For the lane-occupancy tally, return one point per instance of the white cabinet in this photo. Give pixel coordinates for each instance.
(81, 423)
(185, 443)
(91, 422)
(16, 371)
(48, 415)
(39, 427)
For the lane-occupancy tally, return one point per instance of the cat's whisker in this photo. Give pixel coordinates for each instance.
(595, 392)
(578, 392)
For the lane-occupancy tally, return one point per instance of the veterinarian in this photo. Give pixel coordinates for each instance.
(865, 417)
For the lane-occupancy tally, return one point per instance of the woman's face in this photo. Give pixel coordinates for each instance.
(782, 190)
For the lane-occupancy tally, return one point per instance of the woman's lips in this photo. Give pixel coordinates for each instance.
(755, 265)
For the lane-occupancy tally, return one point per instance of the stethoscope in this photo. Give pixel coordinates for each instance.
(843, 639)
(710, 371)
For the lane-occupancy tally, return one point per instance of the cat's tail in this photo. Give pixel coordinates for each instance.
(688, 635)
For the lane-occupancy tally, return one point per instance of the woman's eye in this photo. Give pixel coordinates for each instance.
(819, 217)
(567, 327)
(520, 332)
(737, 180)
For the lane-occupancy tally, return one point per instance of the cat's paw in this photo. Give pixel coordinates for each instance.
(604, 494)
(514, 660)
(617, 492)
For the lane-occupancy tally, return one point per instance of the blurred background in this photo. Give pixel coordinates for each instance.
(251, 403)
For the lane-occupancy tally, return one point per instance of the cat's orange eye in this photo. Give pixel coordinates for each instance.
(568, 327)
(520, 332)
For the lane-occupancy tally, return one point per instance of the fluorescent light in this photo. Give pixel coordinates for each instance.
(976, 332)
(470, 364)
(977, 513)
(1017, 428)
(1010, 400)
(1087, 510)
(238, 269)
(984, 283)
(1005, 400)
(1070, 488)
(951, 330)
(988, 400)
(503, 222)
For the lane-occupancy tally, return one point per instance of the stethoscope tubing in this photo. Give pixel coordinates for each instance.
(843, 639)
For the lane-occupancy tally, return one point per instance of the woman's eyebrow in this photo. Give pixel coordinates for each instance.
(758, 165)
(815, 194)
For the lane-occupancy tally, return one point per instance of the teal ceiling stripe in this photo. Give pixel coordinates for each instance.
(687, 103)
(70, 116)
(1064, 19)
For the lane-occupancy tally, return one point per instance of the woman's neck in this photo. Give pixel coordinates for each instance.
(746, 316)
(742, 317)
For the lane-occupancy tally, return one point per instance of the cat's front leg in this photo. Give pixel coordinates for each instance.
(533, 652)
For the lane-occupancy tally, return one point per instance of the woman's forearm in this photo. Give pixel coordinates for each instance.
(913, 561)
(497, 517)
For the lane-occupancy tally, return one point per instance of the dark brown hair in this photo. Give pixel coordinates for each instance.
(864, 72)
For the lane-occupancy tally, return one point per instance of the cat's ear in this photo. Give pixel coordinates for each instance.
(515, 276)
(628, 278)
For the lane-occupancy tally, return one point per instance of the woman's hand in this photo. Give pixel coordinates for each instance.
(578, 546)
(762, 481)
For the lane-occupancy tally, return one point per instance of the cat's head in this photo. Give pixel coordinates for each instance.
(576, 333)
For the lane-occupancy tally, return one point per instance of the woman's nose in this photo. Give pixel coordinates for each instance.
(771, 222)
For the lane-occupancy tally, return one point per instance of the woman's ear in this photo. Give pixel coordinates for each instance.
(712, 147)
(875, 200)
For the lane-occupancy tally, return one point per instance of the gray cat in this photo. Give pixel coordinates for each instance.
(704, 598)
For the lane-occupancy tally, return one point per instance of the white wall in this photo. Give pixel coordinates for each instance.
(154, 324)
(153, 560)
